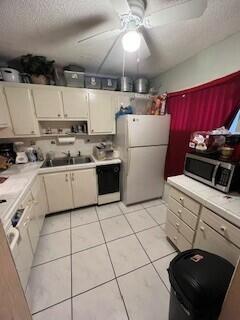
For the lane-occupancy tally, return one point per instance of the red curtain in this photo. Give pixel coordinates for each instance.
(205, 107)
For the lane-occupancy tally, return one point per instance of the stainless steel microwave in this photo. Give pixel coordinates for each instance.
(221, 175)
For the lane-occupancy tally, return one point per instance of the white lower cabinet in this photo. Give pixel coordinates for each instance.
(210, 240)
(59, 191)
(84, 187)
(71, 189)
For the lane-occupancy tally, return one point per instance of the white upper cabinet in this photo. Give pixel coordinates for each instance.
(21, 110)
(75, 103)
(102, 113)
(48, 103)
(4, 113)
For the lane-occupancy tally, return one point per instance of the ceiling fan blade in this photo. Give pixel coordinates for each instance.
(101, 36)
(188, 10)
(144, 51)
(121, 6)
(108, 52)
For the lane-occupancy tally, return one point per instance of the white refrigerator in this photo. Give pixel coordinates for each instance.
(142, 141)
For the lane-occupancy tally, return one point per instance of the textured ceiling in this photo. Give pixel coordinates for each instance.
(53, 27)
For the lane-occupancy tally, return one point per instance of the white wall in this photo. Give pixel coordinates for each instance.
(214, 62)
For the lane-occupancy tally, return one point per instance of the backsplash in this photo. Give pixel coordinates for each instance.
(84, 145)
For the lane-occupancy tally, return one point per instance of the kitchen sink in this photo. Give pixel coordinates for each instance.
(66, 161)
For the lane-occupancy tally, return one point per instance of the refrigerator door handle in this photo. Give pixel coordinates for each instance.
(129, 161)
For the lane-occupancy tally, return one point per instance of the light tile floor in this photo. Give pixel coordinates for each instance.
(107, 262)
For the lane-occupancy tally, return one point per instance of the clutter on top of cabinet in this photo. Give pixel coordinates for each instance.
(40, 69)
(126, 84)
(158, 106)
(141, 85)
(10, 75)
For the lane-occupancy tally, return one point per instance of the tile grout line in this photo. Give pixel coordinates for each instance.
(147, 254)
(92, 247)
(113, 268)
(51, 306)
(116, 277)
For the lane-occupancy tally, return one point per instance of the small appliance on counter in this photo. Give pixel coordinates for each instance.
(104, 151)
(7, 155)
(221, 175)
(21, 154)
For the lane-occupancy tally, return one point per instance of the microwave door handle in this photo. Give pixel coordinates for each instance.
(214, 174)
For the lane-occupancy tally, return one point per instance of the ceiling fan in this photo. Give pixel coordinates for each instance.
(133, 23)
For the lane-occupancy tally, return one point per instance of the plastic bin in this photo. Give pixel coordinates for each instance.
(92, 82)
(199, 281)
(74, 79)
(109, 83)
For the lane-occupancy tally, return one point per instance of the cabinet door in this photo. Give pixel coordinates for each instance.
(39, 200)
(48, 103)
(209, 240)
(102, 113)
(84, 186)
(75, 103)
(4, 113)
(21, 111)
(59, 191)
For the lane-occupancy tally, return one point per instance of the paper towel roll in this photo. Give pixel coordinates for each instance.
(66, 140)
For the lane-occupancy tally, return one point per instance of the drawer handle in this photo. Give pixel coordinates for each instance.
(181, 198)
(223, 228)
(202, 228)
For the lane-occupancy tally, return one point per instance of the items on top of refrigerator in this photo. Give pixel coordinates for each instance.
(158, 106)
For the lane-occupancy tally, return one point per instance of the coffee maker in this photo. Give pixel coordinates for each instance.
(7, 151)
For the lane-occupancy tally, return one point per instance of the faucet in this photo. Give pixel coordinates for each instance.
(68, 154)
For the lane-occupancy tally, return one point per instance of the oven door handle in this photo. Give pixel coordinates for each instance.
(215, 173)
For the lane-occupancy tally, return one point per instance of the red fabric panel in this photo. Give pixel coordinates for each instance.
(205, 107)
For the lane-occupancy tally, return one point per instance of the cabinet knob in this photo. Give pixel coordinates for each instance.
(223, 228)
(65, 115)
(181, 198)
(202, 228)
(92, 130)
(175, 238)
(66, 177)
(179, 211)
(59, 115)
(72, 176)
(177, 224)
(32, 131)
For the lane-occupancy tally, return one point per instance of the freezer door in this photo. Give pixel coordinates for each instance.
(146, 130)
(144, 176)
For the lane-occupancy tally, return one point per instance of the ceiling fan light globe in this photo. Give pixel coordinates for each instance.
(131, 41)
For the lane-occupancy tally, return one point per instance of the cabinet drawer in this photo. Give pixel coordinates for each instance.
(183, 213)
(185, 201)
(178, 224)
(225, 228)
(179, 241)
(209, 240)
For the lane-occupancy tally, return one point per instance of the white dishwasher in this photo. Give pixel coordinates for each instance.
(20, 245)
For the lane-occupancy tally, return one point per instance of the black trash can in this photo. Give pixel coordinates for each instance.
(199, 281)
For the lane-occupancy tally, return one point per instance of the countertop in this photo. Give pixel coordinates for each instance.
(21, 177)
(225, 205)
